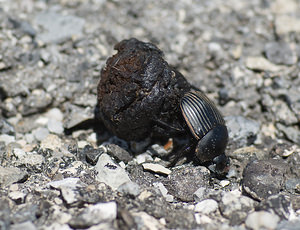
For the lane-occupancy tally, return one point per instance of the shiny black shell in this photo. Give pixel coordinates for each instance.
(206, 124)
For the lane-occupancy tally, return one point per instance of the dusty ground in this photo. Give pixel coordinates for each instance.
(243, 54)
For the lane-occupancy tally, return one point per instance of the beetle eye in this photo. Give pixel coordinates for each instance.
(200, 113)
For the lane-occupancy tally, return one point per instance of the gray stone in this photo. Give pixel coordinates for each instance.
(263, 178)
(6, 128)
(95, 214)
(110, 173)
(17, 196)
(7, 138)
(129, 188)
(206, 206)
(235, 206)
(5, 212)
(9, 175)
(28, 225)
(163, 191)
(277, 204)
(261, 220)
(261, 64)
(57, 27)
(292, 133)
(76, 115)
(118, 153)
(183, 182)
(289, 225)
(55, 126)
(40, 133)
(157, 168)
(280, 53)
(37, 101)
(242, 130)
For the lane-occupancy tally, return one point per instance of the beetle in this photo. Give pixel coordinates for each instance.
(140, 95)
(209, 134)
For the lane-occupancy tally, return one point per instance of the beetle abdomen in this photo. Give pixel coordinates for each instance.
(200, 113)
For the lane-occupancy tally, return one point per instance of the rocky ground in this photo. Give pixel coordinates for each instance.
(61, 170)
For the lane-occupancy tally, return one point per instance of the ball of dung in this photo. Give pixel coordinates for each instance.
(139, 93)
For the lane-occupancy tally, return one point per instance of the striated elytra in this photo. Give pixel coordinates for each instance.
(206, 125)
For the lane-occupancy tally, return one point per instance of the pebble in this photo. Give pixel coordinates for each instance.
(57, 27)
(286, 24)
(183, 182)
(235, 206)
(55, 126)
(163, 191)
(40, 133)
(130, 188)
(263, 178)
(158, 150)
(206, 206)
(144, 157)
(280, 53)
(224, 183)
(7, 138)
(110, 173)
(11, 175)
(17, 196)
(261, 220)
(69, 182)
(28, 225)
(51, 142)
(261, 64)
(242, 130)
(95, 214)
(118, 153)
(157, 168)
(55, 113)
(145, 221)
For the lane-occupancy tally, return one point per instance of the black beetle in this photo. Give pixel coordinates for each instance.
(206, 125)
(140, 95)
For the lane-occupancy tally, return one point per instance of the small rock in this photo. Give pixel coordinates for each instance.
(261, 64)
(201, 194)
(130, 188)
(110, 173)
(224, 183)
(11, 175)
(7, 138)
(76, 115)
(285, 24)
(292, 133)
(263, 178)
(145, 221)
(183, 182)
(58, 27)
(206, 206)
(67, 182)
(235, 206)
(157, 168)
(241, 130)
(55, 113)
(6, 128)
(118, 153)
(261, 220)
(276, 204)
(144, 157)
(92, 155)
(17, 196)
(95, 214)
(280, 53)
(51, 142)
(55, 126)
(40, 133)
(163, 191)
(289, 225)
(28, 225)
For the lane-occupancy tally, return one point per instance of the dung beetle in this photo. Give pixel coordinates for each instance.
(140, 95)
(207, 126)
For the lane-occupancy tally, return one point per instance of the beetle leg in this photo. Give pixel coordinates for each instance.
(167, 128)
(186, 151)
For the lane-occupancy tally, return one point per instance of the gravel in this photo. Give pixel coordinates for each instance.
(61, 169)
